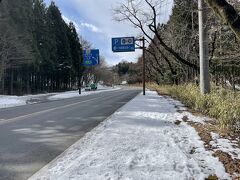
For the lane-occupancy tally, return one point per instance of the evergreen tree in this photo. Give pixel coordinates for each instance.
(38, 50)
(44, 65)
(76, 53)
(17, 48)
(60, 49)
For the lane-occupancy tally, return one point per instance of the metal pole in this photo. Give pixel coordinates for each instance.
(203, 48)
(79, 79)
(144, 65)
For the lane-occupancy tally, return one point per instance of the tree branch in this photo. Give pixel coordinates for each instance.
(154, 29)
(227, 14)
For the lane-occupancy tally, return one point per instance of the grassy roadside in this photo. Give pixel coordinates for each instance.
(221, 104)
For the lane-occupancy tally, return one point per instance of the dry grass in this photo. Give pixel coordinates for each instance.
(221, 104)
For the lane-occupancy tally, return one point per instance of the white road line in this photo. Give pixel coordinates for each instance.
(4, 121)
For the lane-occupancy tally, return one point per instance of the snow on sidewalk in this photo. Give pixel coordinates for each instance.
(140, 141)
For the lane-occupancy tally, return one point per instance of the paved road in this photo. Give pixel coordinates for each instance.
(33, 135)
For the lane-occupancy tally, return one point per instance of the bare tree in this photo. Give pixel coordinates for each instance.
(143, 14)
(227, 14)
(85, 44)
(100, 72)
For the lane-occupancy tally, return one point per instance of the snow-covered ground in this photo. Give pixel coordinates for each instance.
(12, 101)
(140, 141)
(9, 101)
(225, 145)
(71, 94)
(237, 86)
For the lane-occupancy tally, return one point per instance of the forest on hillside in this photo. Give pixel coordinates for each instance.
(39, 51)
(173, 51)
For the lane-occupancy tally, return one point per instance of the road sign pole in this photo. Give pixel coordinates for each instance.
(144, 67)
(79, 78)
(127, 44)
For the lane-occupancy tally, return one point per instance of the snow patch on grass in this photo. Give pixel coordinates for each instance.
(225, 145)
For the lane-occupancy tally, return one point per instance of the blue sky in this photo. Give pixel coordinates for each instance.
(94, 21)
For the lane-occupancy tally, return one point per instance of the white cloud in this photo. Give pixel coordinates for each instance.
(67, 20)
(91, 27)
(99, 13)
(99, 18)
(79, 26)
(94, 21)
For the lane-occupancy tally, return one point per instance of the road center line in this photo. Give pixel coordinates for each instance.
(4, 121)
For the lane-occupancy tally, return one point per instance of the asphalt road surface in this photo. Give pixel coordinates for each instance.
(33, 135)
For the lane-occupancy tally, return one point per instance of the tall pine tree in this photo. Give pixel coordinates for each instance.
(38, 50)
(59, 49)
(76, 53)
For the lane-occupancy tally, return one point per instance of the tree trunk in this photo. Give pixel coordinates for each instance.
(3, 77)
(3, 83)
(11, 83)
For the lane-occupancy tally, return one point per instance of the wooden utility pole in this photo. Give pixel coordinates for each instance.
(203, 48)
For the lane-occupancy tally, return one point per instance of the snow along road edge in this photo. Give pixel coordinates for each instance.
(139, 141)
(89, 134)
(7, 101)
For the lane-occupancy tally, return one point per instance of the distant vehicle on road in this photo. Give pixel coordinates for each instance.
(93, 86)
(90, 87)
(87, 88)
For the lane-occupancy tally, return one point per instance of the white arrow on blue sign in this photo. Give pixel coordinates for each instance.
(91, 57)
(123, 44)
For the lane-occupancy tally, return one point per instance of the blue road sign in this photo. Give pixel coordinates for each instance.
(91, 57)
(123, 44)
